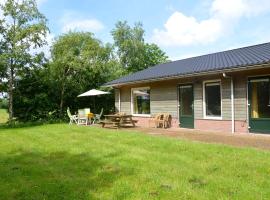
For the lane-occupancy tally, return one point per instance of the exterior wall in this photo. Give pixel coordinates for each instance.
(226, 99)
(125, 100)
(240, 101)
(221, 125)
(144, 122)
(198, 100)
(116, 100)
(164, 98)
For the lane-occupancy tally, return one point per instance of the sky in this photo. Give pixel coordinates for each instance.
(181, 28)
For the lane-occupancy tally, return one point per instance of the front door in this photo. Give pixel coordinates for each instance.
(186, 116)
(259, 104)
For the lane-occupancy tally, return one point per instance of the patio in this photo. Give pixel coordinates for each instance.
(259, 141)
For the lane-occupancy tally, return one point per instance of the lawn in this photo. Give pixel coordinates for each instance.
(71, 162)
(3, 116)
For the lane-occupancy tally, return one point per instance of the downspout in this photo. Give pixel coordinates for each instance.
(232, 101)
(232, 104)
(119, 100)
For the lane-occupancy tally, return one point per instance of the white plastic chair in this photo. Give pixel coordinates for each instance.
(72, 118)
(82, 117)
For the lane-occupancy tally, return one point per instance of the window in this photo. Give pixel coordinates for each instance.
(212, 100)
(260, 98)
(140, 104)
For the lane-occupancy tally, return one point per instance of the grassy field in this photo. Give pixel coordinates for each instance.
(3, 116)
(71, 162)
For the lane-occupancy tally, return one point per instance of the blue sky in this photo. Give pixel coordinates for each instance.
(182, 28)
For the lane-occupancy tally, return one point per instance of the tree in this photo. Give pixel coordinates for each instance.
(134, 54)
(153, 55)
(23, 29)
(79, 62)
(34, 96)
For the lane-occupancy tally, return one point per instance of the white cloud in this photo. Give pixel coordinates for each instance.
(184, 30)
(72, 21)
(180, 30)
(92, 25)
(183, 56)
(239, 8)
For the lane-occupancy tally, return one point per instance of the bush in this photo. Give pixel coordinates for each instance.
(3, 104)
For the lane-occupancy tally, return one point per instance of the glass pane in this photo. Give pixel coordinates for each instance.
(213, 99)
(141, 101)
(260, 100)
(186, 100)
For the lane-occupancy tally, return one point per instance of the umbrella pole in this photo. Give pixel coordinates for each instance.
(94, 104)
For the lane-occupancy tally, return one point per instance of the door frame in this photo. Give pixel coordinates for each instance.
(178, 101)
(249, 103)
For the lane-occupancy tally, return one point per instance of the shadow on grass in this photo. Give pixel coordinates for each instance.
(59, 175)
(27, 124)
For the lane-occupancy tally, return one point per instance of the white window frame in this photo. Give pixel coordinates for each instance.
(119, 99)
(131, 102)
(204, 104)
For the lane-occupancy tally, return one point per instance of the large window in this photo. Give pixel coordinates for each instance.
(212, 100)
(140, 101)
(260, 98)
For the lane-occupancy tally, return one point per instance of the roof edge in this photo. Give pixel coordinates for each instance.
(234, 69)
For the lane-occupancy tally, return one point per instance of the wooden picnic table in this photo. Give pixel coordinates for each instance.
(118, 120)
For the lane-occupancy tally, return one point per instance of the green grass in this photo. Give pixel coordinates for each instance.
(3, 116)
(70, 162)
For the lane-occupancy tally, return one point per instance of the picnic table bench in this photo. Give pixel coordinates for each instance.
(118, 120)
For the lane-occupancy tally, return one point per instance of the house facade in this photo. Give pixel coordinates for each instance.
(226, 91)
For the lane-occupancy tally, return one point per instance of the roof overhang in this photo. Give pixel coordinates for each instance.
(205, 73)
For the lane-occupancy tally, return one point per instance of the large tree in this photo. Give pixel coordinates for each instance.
(23, 29)
(133, 52)
(80, 62)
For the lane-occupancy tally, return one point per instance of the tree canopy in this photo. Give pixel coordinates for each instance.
(23, 29)
(79, 61)
(42, 89)
(134, 53)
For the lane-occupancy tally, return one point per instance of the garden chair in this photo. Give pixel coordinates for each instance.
(98, 116)
(82, 117)
(165, 121)
(156, 119)
(87, 110)
(72, 118)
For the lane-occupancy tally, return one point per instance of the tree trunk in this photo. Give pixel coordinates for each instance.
(62, 99)
(10, 92)
(66, 72)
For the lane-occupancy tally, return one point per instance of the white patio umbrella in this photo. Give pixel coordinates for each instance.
(93, 92)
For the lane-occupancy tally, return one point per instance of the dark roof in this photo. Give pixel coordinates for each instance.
(236, 58)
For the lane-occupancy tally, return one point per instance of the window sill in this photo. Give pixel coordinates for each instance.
(141, 115)
(213, 118)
